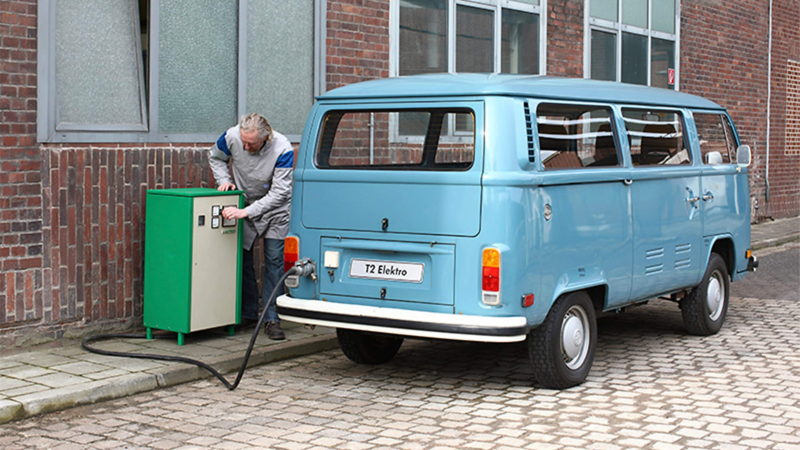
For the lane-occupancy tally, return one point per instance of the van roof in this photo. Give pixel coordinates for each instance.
(533, 86)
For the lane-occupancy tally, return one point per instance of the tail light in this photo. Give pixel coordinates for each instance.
(490, 276)
(291, 252)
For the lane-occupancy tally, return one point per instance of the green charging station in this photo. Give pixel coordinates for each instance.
(192, 259)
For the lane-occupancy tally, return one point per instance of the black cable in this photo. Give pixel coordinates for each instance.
(201, 364)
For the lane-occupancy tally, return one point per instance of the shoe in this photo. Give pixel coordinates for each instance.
(274, 332)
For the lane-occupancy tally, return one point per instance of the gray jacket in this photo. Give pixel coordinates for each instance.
(265, 177)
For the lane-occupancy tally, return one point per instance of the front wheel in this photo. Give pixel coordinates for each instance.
(368, 348)
(561, 349)
(705, 308)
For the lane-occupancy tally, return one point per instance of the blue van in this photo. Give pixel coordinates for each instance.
(503, 208)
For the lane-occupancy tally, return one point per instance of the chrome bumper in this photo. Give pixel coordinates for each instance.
(403, 322)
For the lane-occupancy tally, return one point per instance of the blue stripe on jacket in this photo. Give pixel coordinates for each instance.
(222, 144)
(285, 161)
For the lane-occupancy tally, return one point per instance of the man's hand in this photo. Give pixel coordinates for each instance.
(226, 187)
(232, 212)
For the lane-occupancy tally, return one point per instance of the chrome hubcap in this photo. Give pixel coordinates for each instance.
(715, 295)
(574, 339)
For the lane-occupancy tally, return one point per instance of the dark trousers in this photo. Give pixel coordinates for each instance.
(273, 270)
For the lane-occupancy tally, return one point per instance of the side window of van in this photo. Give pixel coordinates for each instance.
(575, 136)
(372, 140)
(656, 137)
(716, 138)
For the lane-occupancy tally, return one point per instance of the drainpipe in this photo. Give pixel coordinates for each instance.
(769, 95)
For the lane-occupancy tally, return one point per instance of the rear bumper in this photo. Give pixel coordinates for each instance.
(403, 322)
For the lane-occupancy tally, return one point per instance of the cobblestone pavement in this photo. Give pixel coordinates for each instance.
(652, 387)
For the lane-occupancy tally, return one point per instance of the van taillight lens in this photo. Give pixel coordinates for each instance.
(490, 276)
(291, 252)
(491, 279)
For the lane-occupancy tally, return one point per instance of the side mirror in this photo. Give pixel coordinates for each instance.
(743, 156)
(713, 158)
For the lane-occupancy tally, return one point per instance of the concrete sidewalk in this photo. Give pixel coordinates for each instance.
(48, 378)
(772, 233)
(62, 375)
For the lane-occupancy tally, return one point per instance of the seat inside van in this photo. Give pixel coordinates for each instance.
(605, 152)
(660, 142)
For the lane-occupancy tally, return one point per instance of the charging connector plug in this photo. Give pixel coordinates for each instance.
(302, 268)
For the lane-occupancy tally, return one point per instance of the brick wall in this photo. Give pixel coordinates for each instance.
(731, 68)
(357, 41)
(93, 204)
(21, 248)
(565, 38)
(784, 163)
(87, 247)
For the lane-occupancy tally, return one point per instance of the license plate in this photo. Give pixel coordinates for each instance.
(387, 270)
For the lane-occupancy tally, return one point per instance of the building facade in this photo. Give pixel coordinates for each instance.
(104, 99)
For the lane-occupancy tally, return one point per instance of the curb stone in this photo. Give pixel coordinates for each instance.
(85, 393)
(230, 364)
(766, 243)
(10, 411)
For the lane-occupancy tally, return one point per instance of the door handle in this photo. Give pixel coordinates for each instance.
(708, 196)
(693, 199)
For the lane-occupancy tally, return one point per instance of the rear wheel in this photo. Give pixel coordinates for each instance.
(562, 348)
(368, 348)
(705, 308)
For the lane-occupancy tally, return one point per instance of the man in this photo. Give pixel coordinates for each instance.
(261, 161)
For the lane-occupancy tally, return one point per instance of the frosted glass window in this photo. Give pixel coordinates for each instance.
(604, 9)
(664, 16)
(634, 12)
(280, 62)
(604, 56)
(634, 58)
(423, 36)
(474, 40)
(98, 67)
(662, 59)
(520, 42)
(197, 65)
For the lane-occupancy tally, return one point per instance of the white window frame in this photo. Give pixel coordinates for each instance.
(47, 110)
(496, 6)
(617, 28)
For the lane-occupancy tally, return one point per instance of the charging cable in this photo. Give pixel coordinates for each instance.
(304, 267)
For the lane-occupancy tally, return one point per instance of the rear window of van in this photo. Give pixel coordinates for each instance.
(422, 139)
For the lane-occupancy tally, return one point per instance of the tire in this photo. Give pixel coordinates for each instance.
(705, 308)
(368, 348)
(558, 362)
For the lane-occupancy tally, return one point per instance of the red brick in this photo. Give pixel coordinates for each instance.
(9, 18)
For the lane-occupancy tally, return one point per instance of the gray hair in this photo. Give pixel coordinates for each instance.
(256, 122)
